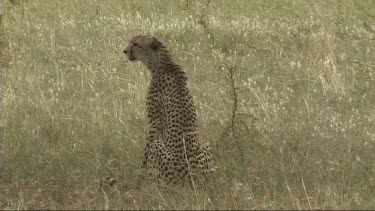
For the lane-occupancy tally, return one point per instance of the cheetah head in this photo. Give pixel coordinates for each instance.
(142, 48)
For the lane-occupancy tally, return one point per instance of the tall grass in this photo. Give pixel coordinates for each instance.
(301, 74)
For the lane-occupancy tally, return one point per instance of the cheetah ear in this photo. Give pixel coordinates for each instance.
(155, 44)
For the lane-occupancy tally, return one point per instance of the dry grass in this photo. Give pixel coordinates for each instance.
(303, 72)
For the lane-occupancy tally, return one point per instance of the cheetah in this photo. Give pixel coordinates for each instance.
(173, 152)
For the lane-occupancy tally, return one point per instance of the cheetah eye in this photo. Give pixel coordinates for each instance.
(135, 44)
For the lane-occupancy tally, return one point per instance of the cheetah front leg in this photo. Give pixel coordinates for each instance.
(154, 134)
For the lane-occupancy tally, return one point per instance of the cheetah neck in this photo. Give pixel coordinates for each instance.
(162, 62)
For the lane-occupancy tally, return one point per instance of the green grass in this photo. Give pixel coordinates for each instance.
(304, 76)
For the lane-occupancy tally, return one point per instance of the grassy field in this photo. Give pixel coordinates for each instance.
(284, 91)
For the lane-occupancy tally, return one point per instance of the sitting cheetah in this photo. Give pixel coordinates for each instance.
(173, 152)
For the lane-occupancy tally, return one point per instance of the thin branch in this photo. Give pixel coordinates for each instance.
(96, 14)
(234, 111)
(235, 100)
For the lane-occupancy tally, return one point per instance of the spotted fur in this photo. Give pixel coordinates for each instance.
(173, 152)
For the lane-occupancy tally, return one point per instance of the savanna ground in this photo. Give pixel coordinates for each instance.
(284, 91)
